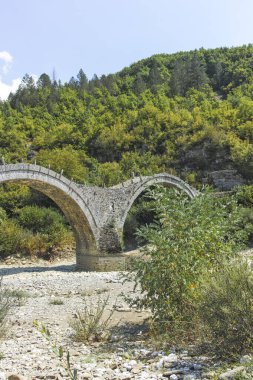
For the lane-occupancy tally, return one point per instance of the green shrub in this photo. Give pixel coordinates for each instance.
(188, 238)
(226, 308)
(247, 223)
(3, 215)
(46, 231)
(38, 232)
(13, 197)
(244, 195)
(68, 158)
(41, 219)
(11, 235)
(34, 245)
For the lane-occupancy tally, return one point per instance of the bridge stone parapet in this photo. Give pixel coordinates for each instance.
(96, 215)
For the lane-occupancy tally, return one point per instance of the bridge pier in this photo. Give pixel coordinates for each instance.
(108, 256)
(105, 263)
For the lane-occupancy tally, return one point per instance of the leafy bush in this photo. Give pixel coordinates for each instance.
(46, 231)
(244, 195)
(3, 215)
(41, 219)
(247, 223)
(13, 197)
(11, 235)
(67, 158)
(37, 232)
(189, 237)
(34, 245)
(226, 308)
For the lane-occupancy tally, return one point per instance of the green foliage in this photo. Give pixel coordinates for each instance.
(244, 194)
(71, 161)
(41, 219)
(226, 308)
(189, 237)
(148, 118)
(36, 232)
(3, 215)
(11, 235)
(141, 213)
(46, 231)
(188, 73)
(247, 223)
(13, 197)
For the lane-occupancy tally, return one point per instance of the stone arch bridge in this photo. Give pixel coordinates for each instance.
(96, 215)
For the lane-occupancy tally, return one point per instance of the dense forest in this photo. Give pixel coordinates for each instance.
(188, 113)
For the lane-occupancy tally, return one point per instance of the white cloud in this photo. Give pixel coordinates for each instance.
(7, 58)
(6, 89)
(5, 64)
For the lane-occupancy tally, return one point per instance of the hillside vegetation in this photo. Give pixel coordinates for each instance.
(187, 113)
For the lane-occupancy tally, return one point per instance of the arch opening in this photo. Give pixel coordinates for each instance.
(68, 200)
(139, 209)
(39, 227)
(139, 214)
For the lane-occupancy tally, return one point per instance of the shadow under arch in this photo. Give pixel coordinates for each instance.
(65, 194)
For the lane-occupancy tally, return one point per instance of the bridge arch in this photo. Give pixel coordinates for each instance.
(65, 194)
(144, 183)
(97, 215)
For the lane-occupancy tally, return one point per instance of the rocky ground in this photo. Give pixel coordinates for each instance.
(53, 295)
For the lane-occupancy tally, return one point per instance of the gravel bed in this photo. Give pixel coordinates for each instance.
(27, 354)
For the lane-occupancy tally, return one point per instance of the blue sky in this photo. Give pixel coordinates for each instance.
(103, 36)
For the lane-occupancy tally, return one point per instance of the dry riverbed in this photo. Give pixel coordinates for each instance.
(127, 355)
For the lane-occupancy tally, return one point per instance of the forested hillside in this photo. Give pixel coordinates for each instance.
(188, 113)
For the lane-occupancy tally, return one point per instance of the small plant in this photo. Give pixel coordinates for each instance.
(90, 323)
(56, 301)
(59, 351)
(102, 290)
(17, 295)
(226, 309)
(90, 292)
(8, 299)
(86, 293)
(4, 309)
